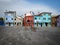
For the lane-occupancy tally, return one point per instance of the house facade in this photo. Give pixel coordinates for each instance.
(58, 21)
(9, 18)
(38, 21)
(54, 21)
(42, 20)
(2, 22)
(18, 21)
(29, 20)
(46, 19)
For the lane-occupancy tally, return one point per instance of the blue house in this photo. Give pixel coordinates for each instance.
(2, 22)
(38, 21)
(42, 20)
(46, 18)
(9, 18)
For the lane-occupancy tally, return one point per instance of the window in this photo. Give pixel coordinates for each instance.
(20, 23)
(28, 20)
(35, 23)
(35, 18)
(11, 18)
(39, 23)
(44, 18)
(15, 22)
(49, 18)
(15, 18)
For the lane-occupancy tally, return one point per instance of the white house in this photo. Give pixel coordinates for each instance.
(9, 18)
(18, 21)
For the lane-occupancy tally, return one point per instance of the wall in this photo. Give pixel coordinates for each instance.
(31, 19)
(46, 16)
(58, 21)
(9, 18)
(19, 20)
(37, 21)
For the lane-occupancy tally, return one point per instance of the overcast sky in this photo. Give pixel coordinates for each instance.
(23, 6)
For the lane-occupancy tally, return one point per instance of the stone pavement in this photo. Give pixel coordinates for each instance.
(22, 36)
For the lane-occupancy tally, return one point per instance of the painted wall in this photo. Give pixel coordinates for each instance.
(18, 21)
(47, 16)
(54, 21)
(58, 21)
(2, 22)
(9, 18)
(46, 19)
(29, 21)
(42, 18)
(37, 20)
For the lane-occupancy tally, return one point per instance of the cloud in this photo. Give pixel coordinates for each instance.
(22, 6)
(26, 7)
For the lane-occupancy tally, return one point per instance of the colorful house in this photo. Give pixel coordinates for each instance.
(9, 18)
(2, 22)
(18, 21)
(29, 20)
(54, 21)
(38, 21)
(58, 21)
(42, 20)
(46, 19)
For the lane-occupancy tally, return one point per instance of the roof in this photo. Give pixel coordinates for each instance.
(28, 14)
(40, 14)
(10, 12)
(54, 16)
(19, 17)
(58, 16)
(45, 13)
(37, 14)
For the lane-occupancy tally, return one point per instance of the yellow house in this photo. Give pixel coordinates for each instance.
(18, 21)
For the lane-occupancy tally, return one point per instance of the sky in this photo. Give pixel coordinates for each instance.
(24, 6)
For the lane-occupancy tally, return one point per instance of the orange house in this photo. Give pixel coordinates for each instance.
(28, 20)
(54, 21)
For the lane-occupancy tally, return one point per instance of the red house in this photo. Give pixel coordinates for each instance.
(28, 20)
